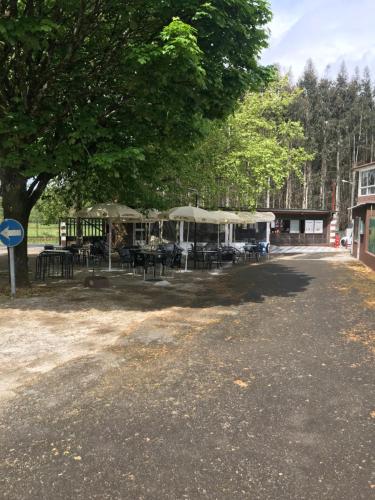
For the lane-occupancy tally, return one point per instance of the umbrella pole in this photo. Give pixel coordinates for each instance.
(218, 235)
(110, 245)
(187, 247)
(195, 245)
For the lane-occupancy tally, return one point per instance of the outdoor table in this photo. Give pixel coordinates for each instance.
(207, 255)
(211, 253)
(57, 251)
(54, 264)
(153, 256)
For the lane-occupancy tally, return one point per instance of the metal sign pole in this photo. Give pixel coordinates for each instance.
(12, 272)
(11, 235)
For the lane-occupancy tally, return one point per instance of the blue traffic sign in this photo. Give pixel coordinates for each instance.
(11, 232)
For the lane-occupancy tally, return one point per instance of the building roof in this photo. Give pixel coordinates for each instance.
(296, 211)
(363, 204)
(364, 165)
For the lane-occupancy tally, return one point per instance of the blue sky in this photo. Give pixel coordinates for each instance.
(328, 31)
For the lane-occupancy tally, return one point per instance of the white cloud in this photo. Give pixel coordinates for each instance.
(328, 31)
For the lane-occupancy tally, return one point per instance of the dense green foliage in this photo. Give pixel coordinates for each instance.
(98, 90)
(255, 149)
(108, 84)
(339, 121)
(233, 164)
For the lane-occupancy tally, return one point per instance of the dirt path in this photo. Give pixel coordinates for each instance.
(258, 383)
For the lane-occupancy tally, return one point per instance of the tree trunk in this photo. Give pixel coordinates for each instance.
(340, 201)
(19, 197)
(359, 139)
(288, 194)
(323, 173)
(323, 180)
(16, 206)
(338, 179)
(306, 185)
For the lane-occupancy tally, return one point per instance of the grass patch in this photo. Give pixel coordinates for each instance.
(43, 233)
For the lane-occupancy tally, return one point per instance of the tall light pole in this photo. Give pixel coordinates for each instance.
(344, 181)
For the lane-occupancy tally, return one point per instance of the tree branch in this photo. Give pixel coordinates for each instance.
(36, 188)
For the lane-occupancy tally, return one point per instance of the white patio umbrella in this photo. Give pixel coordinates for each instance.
(151, 215)
(254, 217)
(191, 214)
(225, 217)
(114, 212)
(265, 216)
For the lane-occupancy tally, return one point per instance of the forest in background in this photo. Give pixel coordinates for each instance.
(338, 117)
(303, 137)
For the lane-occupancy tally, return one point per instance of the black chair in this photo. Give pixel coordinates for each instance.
(74, 250)
(214, 258)
(231, 254)
(96, 255)
(177, 257)
(139, 260)
(263, 249)
(227, 254)
(126, 257)
(252, 251)
(211, 246)
(200, 258)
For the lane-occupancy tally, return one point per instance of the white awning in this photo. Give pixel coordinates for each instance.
(254, 217)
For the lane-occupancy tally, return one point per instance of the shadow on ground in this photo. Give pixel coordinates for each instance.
(200, 289)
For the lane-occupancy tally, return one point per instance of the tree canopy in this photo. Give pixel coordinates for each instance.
(105, 87)
(233, 164)
(103, 82)
(255, 149)
(338, 116)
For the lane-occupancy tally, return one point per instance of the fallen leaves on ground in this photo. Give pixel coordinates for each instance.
(363, 335)
(363, 282)
(241, 383)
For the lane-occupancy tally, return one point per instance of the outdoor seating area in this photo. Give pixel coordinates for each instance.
(155, 256)
(151, 262)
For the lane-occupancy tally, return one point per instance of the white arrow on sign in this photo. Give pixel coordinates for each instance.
(8, 233)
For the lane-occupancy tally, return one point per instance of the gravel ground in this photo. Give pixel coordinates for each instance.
(255, 383)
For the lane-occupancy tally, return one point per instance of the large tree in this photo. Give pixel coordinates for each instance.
(102, 85)
(253, 151)
(339, 121)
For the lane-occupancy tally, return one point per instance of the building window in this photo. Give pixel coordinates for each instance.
(367, 182)
(371, 236)
(295, 226)
(140, 232)
(298, 226)
(281, 226)
(314, 227)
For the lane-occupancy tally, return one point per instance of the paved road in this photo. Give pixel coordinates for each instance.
(256, 393)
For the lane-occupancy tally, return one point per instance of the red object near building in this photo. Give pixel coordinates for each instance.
(337, 240)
